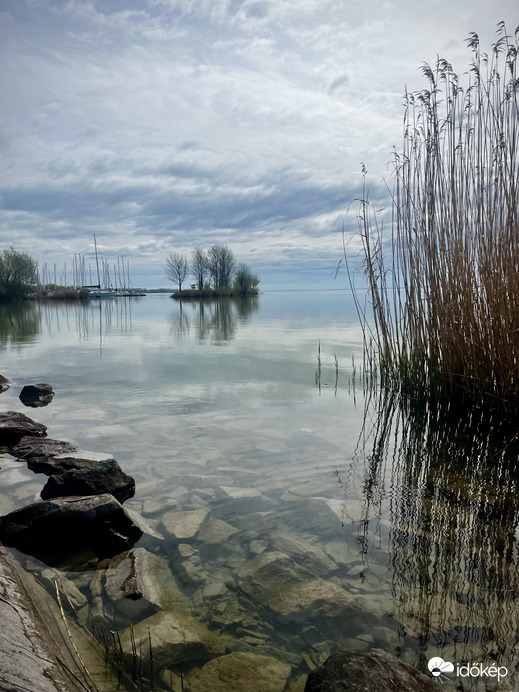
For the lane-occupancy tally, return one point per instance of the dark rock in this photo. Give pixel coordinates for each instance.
(39, 453)
(374, 670)
(14, 426)
(4, 384)
(59, 528)
(100, 477)
(36, 395)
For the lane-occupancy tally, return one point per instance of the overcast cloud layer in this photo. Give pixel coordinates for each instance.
(162, 125)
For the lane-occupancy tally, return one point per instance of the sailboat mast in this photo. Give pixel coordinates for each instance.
(97, 262)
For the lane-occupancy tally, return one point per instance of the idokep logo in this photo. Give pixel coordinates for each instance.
(438, 667)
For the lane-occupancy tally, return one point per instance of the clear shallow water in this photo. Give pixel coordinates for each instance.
(395, 532)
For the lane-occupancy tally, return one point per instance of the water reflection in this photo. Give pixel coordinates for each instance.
(214, 320)
(19, 323)
(450, 481)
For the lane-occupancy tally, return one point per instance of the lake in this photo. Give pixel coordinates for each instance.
(321, 515)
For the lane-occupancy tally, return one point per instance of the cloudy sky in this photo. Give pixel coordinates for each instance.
(161, 125)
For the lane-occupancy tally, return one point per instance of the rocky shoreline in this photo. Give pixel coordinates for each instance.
(81, 526)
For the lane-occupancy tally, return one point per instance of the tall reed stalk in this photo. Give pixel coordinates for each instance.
(446, 303)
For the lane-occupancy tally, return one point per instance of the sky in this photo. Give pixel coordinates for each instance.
(165, 125)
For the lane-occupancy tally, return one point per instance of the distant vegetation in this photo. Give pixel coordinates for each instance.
(215, 272)
(18, 274)
(56, 292)
(446, 303)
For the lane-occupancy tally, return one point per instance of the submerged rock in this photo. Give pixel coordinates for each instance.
(36, 395)
(305, 553)
(276, 581)
(237, 672)
(56, 529)
(375, 670)
(96, 479)
(39, 453)
(173, 638)
(186, 524)
(14, 426)
(141, 584)
(232, 502)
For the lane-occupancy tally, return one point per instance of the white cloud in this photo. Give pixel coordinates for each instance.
(176, 122)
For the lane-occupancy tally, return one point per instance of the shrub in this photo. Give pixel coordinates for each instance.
(18, 274)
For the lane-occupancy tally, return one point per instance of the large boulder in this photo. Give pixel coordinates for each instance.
(56, 529)
(4, 384)
(374, 670)
(39, 453)
(14, 426)
(96, 479)
(239, 671)
(36, 395)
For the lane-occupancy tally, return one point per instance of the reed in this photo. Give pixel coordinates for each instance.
(446, 303)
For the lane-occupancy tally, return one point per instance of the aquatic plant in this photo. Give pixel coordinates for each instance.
(446, 303)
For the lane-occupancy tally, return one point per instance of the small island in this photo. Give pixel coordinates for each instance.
(216, 274)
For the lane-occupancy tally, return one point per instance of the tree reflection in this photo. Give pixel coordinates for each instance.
(216, 319)
(19, 322)
(448, 480)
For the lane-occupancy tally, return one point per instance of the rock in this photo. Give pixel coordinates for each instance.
(39, 452)
(231, 502)
(65, 461)
(14, 426)
(186, 524)
(4, 384)
(276, 581)
(375, 670)
(36, 395)
(35, 652)
(68, 590)
(56, 529)
(302, 551)
(144, 525)
(237, 672)
(216, 531)
(174, 638)
(6, 504)
(141, 584)
(96, 479)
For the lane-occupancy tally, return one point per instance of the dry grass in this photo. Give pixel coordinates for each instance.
(446, 304)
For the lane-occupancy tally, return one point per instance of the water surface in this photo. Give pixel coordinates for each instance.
(383, 525)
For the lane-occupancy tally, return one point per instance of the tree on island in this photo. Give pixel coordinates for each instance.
(216, 264)
(221, 265)
(245, 282)
(177, 268)
(18, 274)
(199, 270)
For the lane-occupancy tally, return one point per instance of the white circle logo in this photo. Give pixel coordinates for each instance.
(438, 666)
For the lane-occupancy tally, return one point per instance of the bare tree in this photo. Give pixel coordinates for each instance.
(221, 265)
(177, 268)
(199, 269)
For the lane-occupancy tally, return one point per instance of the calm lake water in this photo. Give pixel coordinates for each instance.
(329, 517)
